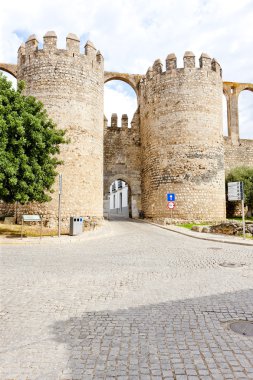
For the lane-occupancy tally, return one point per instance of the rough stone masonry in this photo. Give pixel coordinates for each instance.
(175, 143)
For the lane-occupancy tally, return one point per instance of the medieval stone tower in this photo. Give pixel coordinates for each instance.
(70, 85)
(175, 143)
(182, 140)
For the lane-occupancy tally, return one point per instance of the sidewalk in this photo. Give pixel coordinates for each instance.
(104, 230)
(206, 236)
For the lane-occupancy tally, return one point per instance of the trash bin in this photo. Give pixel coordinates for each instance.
(76, 225)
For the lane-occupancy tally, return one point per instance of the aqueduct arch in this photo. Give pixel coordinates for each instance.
(131, 79)
(9, 68)
(232, 91)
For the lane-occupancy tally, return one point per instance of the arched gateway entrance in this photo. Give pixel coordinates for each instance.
(120, 200)
(127, 206)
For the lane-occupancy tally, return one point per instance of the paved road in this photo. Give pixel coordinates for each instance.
(138, 303)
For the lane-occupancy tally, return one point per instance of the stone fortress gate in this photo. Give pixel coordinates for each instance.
(175, 143)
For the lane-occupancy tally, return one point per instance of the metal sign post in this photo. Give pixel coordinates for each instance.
(171, 197)
(243, 217)
(171, 206)
(59, 205)
(236, 193)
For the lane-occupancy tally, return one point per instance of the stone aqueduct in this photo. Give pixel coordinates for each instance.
(175, 142)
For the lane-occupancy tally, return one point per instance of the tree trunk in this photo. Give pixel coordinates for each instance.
(249, 211)
(16, 213)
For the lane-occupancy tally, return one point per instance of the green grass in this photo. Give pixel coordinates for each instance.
(237, 219)
(190, 225)
(186, 225)
(14, 230)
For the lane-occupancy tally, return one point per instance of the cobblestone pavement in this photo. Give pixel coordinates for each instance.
(139, 303)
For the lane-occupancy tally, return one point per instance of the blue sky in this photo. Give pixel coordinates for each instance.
(131, 34)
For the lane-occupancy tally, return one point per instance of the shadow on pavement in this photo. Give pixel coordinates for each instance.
(166, 340)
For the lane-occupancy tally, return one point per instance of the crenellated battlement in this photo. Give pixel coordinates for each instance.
(205, 63)
(115, 125)
(31, 50)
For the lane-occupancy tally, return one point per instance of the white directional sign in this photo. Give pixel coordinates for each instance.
(235, 191)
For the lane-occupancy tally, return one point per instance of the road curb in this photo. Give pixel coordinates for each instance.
(190, 234)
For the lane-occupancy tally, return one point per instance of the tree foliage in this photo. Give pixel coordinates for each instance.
(245, 175)
(29, 144)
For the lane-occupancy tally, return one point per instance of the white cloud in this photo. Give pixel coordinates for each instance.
(131, 34)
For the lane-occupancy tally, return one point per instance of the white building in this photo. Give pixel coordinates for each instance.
(119, 199)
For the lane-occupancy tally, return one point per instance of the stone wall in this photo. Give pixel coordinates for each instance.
(182, 142)
(122, 158)
(238, 155)
(70, 85)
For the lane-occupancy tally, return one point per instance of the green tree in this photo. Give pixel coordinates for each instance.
(245, 175)
(29, 144)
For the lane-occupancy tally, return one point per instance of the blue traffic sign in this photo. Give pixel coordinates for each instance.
(171, 197)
